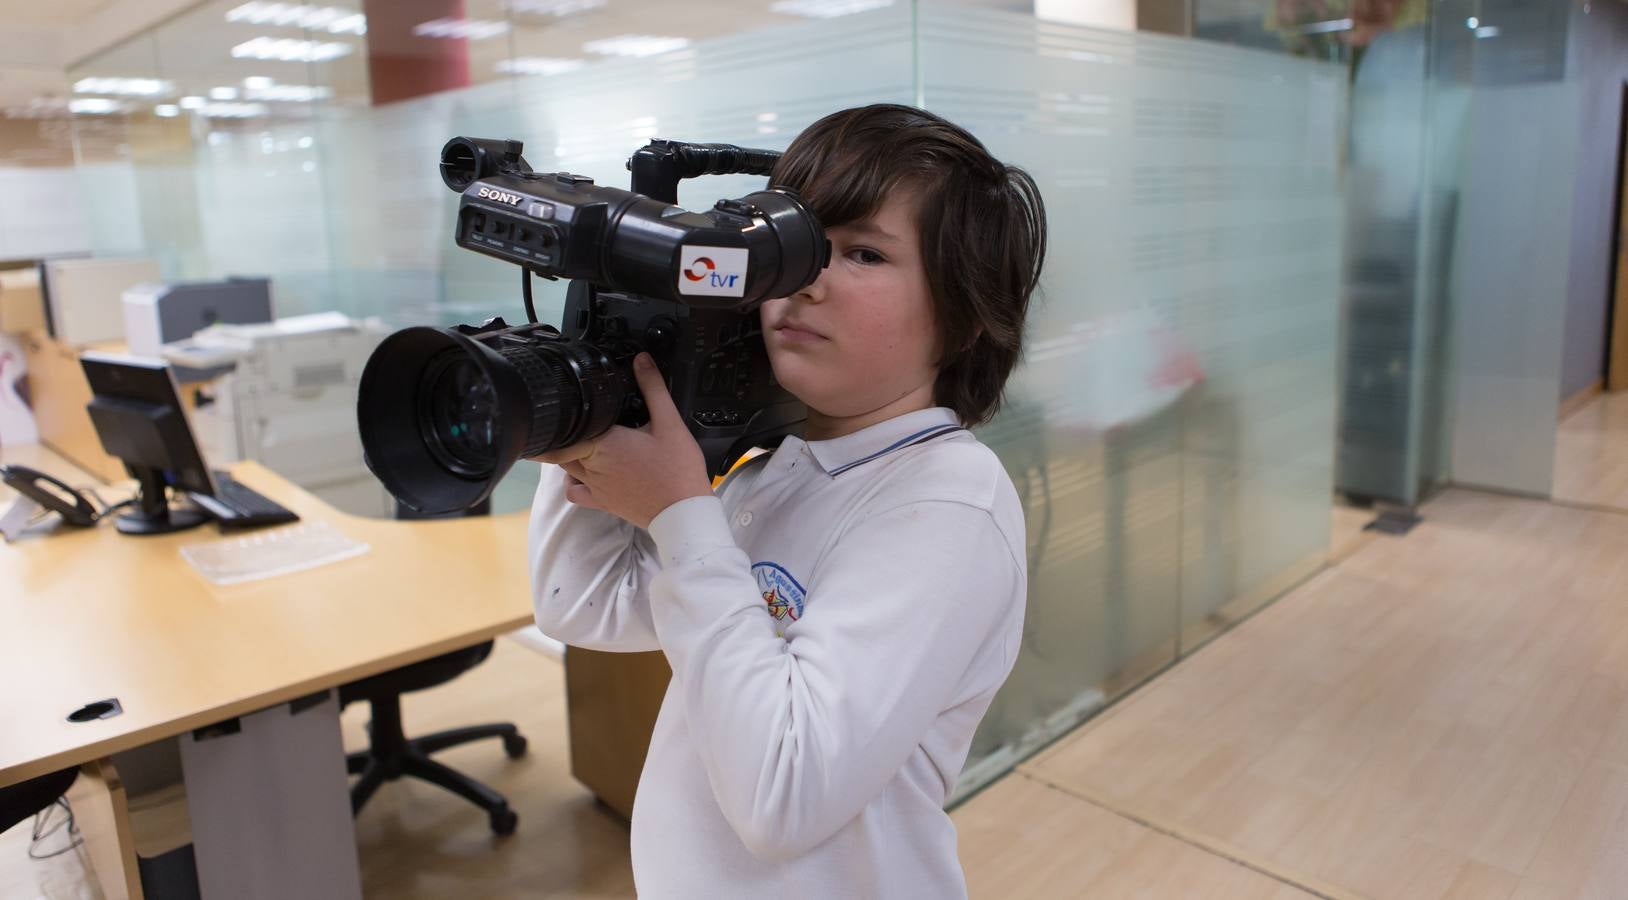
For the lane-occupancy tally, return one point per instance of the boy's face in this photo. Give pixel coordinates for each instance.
(859, 343)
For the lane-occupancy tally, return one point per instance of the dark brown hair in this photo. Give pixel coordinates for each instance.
(982, 227)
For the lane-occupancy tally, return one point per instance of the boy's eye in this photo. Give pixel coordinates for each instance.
(866, 256)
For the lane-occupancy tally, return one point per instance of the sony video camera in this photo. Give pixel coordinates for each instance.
(445, 413)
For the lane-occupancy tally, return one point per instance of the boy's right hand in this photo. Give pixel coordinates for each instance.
(569, 459)
(574, 453)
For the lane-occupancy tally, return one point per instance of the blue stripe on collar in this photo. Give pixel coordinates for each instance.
(926, 434)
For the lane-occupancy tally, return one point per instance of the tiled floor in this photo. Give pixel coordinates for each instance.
(1444, 714)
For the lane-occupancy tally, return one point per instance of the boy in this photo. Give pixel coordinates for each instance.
(839, 615)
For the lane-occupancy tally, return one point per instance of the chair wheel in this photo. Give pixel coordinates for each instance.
(514, 745)
(503, 821)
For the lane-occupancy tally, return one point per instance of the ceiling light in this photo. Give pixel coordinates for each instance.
(223, 93)
(1472, 23)
(826, 9)
(290, 93)
(135, 87)
(166, 110)
(538, 65)
(636, 45)
(290, 50)
(312, 18)
(233, 110)
(193, 102)
(467, 29)
(1327, 27)
(258, 82)
(555, 8)
(95, 106)
(1486, 31)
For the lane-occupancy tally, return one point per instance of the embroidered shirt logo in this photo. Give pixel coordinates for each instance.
(781, 592)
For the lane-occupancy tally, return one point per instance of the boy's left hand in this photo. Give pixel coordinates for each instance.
(636, 473)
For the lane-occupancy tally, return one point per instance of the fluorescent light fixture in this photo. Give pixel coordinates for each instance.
(223, 93)
(1472, 23)
(826, 9)
(193, 102)
(166, 110)
(1328, 27)
(636, 45)
(289, 93)
(768, 117)
(130, 87)
(311, 18)
(555, 8)
(258, 82)
(233, 110)
(290, 50)
(467, 29)
(538, 65)
(305, 142)
(1486, 31)
(94, 106)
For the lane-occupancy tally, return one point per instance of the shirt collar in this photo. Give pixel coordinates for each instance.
(866, 444)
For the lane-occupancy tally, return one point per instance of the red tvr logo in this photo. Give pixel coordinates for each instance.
(704, 269)
(706, 266)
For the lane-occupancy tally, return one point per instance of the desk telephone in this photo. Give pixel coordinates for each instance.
(52, 494)
(233, 505)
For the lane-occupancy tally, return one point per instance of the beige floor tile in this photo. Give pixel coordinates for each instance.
(1021, 838)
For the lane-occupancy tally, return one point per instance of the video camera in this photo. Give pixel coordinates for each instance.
(445, 413)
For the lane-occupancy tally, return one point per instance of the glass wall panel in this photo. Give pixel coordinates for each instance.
(1171, 432)
(1506, 119)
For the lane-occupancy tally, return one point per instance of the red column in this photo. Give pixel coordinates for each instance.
(403, 65)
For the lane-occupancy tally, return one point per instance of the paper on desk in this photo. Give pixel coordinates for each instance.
(271, 552)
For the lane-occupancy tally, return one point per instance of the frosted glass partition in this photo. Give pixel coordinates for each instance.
(1195, 211)
(1506, 122)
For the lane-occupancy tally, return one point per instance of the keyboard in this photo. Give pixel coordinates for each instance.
(236, 505)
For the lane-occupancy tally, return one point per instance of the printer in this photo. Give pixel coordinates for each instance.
(159, 313)
(283, 393)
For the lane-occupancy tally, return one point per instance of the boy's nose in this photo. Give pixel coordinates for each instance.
(814, 293)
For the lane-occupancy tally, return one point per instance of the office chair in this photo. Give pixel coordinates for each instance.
(391, 754)
(24, 799)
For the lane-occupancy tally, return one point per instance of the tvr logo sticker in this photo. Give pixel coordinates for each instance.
(712, 271)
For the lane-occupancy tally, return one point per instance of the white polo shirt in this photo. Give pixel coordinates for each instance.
(838, 617)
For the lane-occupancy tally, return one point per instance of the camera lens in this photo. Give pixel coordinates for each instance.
(444, 414)
(458, 415)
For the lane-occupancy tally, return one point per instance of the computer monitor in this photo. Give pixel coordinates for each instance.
(138, 415)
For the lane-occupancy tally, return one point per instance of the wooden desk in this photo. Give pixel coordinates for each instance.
(92, 614)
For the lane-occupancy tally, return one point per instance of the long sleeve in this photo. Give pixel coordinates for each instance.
(798, 734)
(590, 572)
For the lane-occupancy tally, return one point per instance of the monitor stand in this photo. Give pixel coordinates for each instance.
(153, 514)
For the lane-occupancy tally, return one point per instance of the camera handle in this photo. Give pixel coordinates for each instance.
(660, 165)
